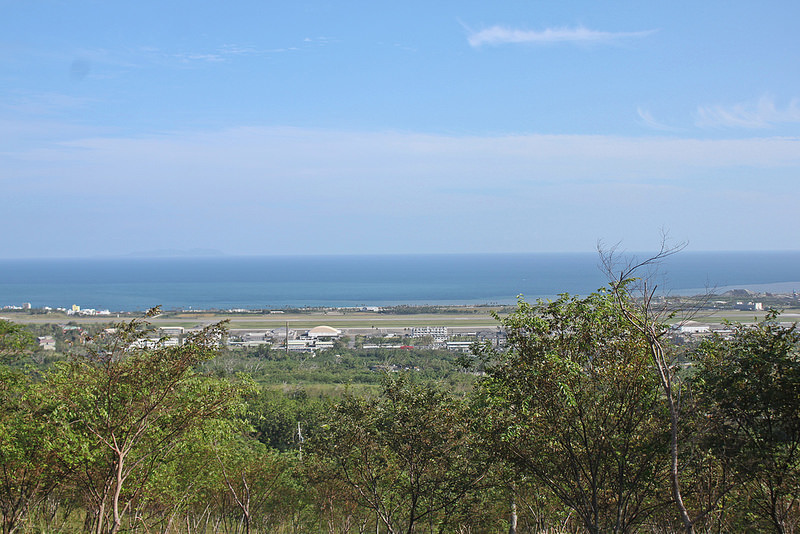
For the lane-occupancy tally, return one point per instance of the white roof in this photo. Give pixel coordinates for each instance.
(318, 331)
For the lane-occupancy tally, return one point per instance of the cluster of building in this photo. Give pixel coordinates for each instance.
(749, 306)
(25, 306)
(76, 310)
(317, 338)
(324, 337)
(693, 331)
(49, 342)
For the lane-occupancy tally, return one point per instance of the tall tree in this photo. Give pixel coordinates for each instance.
(128, 404)
(649, 321)
(573, 404)
(29, 449)
(254, 481)
(14, 341)
(27, 467)
(750, 382)
(407, 454)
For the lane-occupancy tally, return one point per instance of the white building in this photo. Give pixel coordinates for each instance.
(435, 331)
(692, 327)
(47, 343)
(460, 346)
(323, 332)
(171, 330)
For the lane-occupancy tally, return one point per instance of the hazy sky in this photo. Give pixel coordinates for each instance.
(267, 127)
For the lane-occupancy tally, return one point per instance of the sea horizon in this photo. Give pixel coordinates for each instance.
(219, 254)
(135, 283)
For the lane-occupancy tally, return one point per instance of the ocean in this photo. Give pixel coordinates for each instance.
(130, 284)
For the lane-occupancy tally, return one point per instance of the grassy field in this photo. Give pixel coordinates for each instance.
(454, 318)
(360, 320)
(720, 316)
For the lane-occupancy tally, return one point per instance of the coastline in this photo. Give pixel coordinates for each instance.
(283, 282)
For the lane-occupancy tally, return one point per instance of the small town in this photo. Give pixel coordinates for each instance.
(709, 316)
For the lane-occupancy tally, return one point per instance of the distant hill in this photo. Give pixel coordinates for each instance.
(177, 253)
(740, 293)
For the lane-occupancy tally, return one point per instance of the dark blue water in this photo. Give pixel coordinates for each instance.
(297, 281)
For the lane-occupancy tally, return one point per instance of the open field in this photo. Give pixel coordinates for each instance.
(360, 320)
(477, 318)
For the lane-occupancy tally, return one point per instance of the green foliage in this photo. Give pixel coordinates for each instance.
(124, 406)
(125, 434)
(750, 383)
(30, 465)
(253, 483)
(407, 455)
(14, 342)
(281, 420)
(339, 367)
(574, 404)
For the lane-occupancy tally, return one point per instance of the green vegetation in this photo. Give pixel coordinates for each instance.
(14, 341)
(587, 420)
(334, 368)
(751, 384)
(407, 455)
(575, 406)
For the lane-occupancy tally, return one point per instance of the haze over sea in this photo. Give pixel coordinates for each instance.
(129, 284)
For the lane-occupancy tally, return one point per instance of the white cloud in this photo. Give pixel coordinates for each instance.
(258, 189)
(497, 35)
(366, 162)
(761, 114)
(651, 122)
(237, 50)
(214, 58)
(320, 40)
(220, 54)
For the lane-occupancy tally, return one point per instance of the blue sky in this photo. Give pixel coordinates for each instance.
(258, 127)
